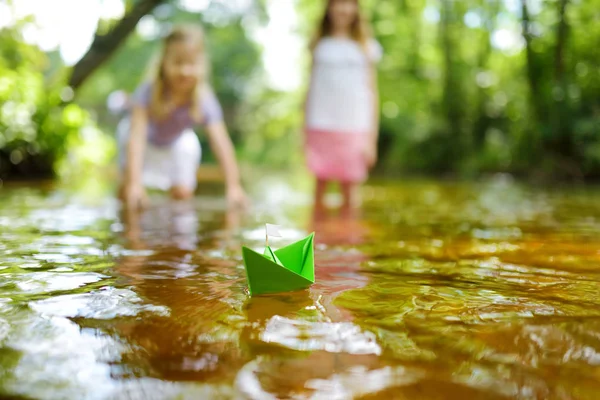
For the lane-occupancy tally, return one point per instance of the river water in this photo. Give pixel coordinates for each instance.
(437, 290)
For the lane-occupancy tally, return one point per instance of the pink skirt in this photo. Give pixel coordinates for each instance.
(337, 156)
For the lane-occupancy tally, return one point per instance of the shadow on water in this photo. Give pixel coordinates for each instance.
(438, 290)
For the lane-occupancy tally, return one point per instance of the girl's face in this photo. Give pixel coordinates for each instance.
(182, 66)
(343, 13)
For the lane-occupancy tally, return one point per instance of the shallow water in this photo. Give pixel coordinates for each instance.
(437, 291)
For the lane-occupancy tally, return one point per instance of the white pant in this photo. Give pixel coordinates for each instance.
(165, 166)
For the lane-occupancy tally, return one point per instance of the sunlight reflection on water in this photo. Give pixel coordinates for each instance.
(438, 290)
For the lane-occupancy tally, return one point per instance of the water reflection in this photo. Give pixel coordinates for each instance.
(436, 291)
(297, 348)
(189, 274)
(215, 331)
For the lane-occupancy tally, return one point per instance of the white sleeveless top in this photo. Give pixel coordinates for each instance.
(340, 98)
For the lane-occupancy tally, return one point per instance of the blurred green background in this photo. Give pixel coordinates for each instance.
(467, 87)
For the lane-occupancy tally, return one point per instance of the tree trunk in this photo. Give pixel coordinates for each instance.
(561, 38)
(536, 97)
(104, 46)
(482, 120)
(415, 12)
(534, 83)
(453, 103)
(560, 115)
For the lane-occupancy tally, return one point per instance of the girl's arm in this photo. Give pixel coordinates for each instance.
(308, 91)
(371, 147)
(223, 148)
(375, 94)
(134, 191)
(375, 53)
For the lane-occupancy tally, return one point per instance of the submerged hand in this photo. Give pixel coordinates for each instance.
(135, 197)
(237, 198)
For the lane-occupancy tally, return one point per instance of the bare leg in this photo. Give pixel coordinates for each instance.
(349, 193)
(121, 192)
(181, 193)
(320, 198)
(132, 231)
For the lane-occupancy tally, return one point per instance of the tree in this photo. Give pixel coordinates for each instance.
(562, 134)
(104, 46)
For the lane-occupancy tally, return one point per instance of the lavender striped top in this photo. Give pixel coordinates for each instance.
(165, 132)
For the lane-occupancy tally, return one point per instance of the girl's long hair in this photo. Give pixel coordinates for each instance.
(158, 102)
(360, 30)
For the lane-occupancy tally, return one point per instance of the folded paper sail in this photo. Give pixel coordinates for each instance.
(290, 268)
(270, 254)
(272, 230)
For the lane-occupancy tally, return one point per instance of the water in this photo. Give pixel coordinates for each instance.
(437, 291)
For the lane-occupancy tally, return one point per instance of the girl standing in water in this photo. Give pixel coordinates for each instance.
(158, 147)
(342, 109)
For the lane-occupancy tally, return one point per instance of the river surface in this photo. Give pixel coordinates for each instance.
(437, 290)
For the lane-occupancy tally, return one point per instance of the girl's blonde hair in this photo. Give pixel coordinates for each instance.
(158, 107)
(360, 30)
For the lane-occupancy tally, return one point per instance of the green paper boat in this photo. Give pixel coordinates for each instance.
(290, 268)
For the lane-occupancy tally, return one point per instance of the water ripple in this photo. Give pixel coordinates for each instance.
(332, 337)
(482, 290)
(105, 304)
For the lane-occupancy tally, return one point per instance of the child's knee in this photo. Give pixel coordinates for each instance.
(181, 193)
(188, 146)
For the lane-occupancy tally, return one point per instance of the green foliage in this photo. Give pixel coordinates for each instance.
(453, 101)
(234, 61)
(271, 122)
(36, 125)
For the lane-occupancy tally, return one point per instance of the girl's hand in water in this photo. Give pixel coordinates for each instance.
(135, 197)
(237, 198)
